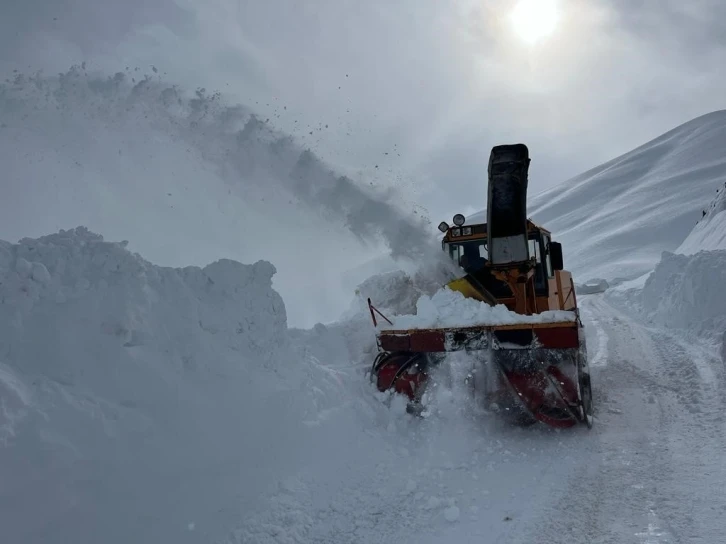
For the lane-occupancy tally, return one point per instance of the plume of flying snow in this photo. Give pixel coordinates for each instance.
(188, 177)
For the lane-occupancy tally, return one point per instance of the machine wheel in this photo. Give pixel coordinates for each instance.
(586, 399)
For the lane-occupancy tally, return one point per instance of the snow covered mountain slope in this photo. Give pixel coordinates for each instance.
(188, 178)
(615, 220)
(710, 232)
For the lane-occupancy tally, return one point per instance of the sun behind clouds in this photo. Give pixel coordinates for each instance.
(534, 20)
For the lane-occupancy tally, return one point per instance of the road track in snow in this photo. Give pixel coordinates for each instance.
(656, 466)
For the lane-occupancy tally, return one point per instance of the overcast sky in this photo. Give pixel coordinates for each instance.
(433, 84)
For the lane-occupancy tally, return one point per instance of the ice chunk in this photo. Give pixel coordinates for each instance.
(23, 268)
(451, 514)
(40, 273)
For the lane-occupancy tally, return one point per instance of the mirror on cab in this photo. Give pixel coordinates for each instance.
(556, 256)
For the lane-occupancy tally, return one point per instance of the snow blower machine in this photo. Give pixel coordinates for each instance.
(530, 367)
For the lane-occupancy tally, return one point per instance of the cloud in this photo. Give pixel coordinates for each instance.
(697, 26)
(411, 94)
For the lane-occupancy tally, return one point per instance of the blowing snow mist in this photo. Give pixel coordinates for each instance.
(188, 178)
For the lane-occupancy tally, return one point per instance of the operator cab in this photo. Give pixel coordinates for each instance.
(467, 246)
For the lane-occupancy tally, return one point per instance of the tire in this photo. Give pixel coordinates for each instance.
(586, 399)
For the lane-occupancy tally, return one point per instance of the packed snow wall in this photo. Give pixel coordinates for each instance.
(141, 403)
(686, 291)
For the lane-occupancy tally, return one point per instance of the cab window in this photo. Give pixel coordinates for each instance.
(475, 251)
(548, 260)
(534, 249)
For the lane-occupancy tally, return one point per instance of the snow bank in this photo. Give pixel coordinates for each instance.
(129, 299)
(687, 291)
(447, 308)
(684, 293)
(140, 403)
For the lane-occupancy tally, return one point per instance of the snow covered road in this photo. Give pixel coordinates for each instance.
(655, 469)
(652, 469)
